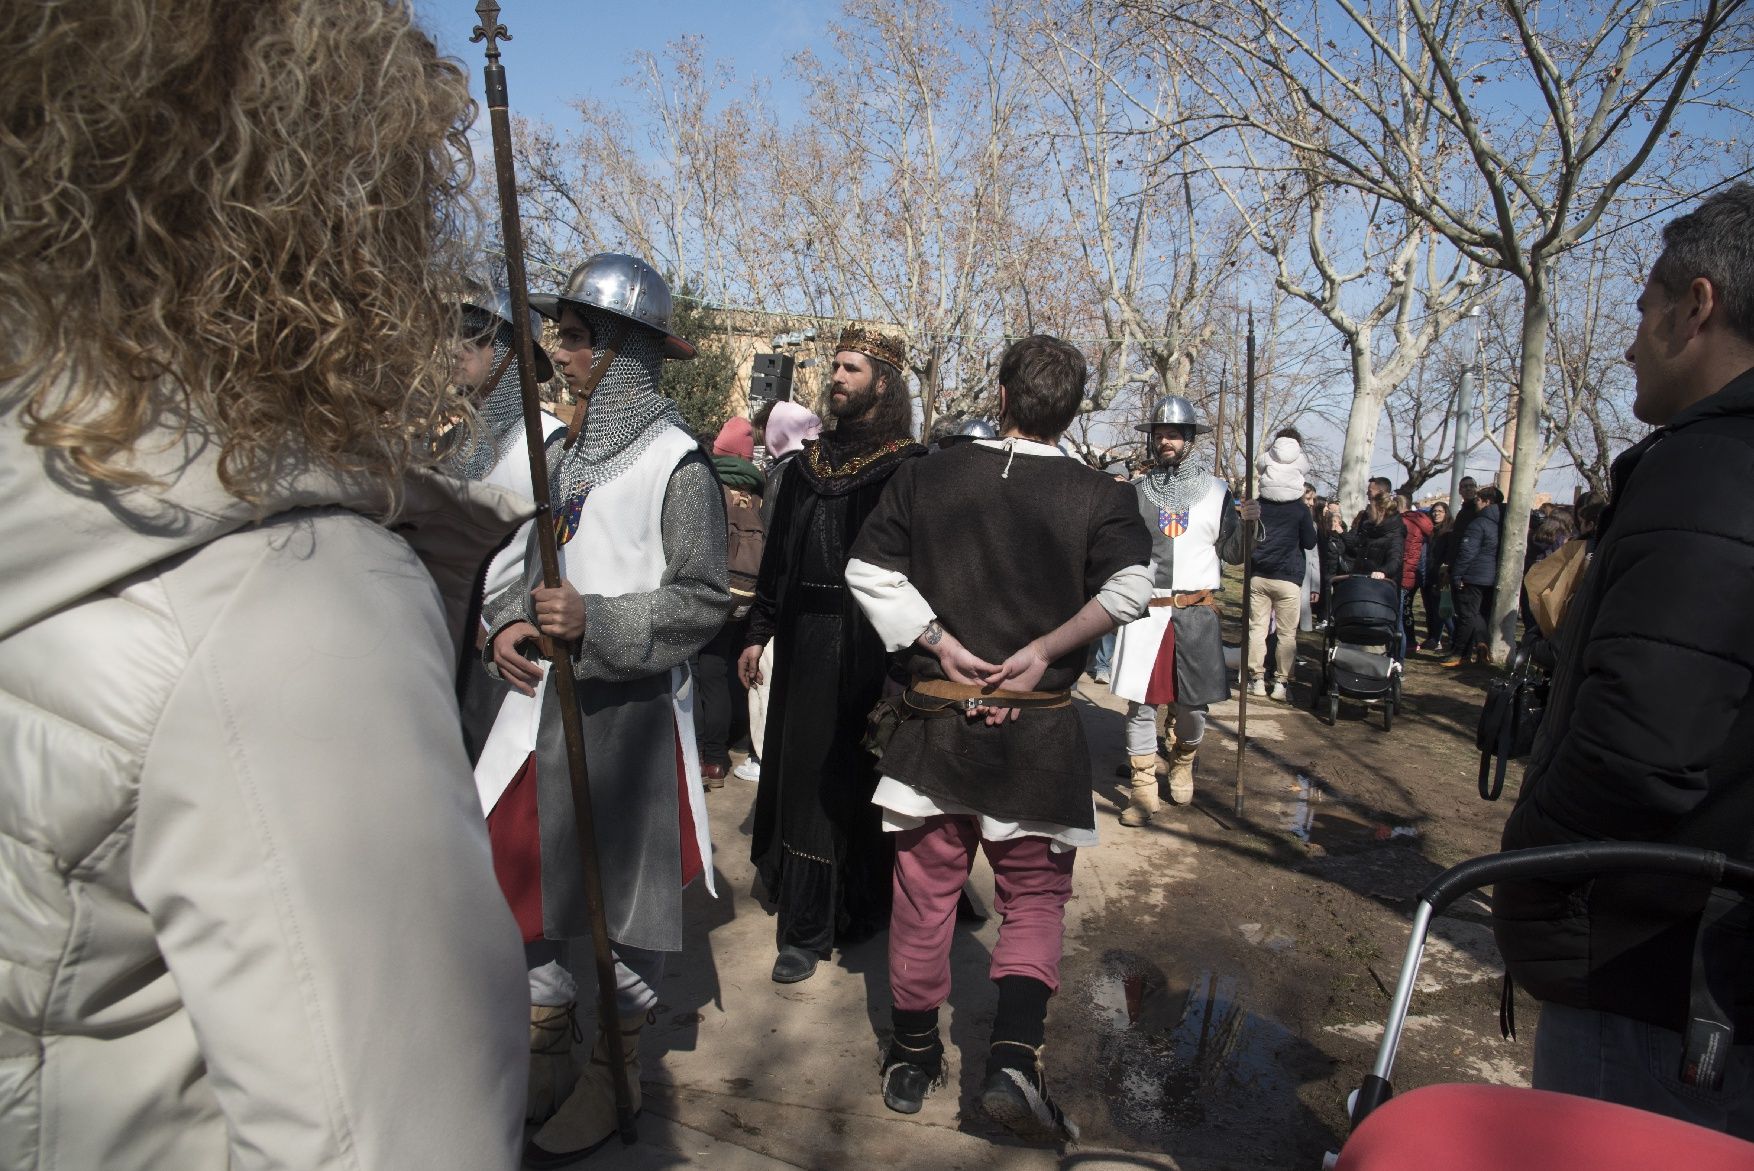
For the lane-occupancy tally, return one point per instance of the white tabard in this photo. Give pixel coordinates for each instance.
(621, 526)
(1195, 567)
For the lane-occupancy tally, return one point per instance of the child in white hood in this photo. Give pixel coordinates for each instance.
(1283, 467)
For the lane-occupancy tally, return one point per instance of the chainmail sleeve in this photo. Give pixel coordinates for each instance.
(510, 605)
(633, 635)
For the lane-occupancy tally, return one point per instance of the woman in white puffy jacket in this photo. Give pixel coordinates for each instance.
(247, 912)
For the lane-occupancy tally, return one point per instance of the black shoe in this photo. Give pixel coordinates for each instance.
(793, 964)
(913, 1065)
(905, 1086)
(1019, 1102)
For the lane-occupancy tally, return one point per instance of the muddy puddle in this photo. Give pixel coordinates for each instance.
(1327, 823)
(1185, 1053)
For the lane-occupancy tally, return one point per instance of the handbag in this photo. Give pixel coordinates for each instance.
(1509, 718)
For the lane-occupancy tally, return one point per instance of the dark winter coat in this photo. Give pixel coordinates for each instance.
(1288, 528)
(1466, 511)
(1649, 733)
(1417, 526)
(1373, 547)
(1476, 561)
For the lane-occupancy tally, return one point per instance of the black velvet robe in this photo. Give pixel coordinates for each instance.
(814, 799)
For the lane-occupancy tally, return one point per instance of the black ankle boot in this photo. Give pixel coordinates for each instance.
(915, 1061)
(1015, 1093)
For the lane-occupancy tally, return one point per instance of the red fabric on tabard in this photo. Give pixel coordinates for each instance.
(1467, 1128)
(1161, 687)
(691, 864)
(516, 838)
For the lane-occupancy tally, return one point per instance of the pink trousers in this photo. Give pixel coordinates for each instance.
(931, 864)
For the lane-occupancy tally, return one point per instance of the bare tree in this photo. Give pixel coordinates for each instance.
(1157, 239)
(901, 186)
(1593, 321)
(1605, 82)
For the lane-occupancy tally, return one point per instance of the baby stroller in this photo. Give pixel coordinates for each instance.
(1358, 650)
(1457, 1127)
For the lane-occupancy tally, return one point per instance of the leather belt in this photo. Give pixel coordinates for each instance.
(932, 696)
(1182, 599)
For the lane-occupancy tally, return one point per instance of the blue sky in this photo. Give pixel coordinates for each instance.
(565, 49)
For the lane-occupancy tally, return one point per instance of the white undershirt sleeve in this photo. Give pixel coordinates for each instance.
(897, 611)
(1127, 594)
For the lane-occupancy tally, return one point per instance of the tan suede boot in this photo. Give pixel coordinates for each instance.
(553, 1029)
(587, 1119)
(1142, 791)
(1181, 772)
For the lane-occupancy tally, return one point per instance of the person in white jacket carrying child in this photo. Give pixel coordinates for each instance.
(1276, 582)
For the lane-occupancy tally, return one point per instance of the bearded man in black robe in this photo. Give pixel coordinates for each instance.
(819, 844)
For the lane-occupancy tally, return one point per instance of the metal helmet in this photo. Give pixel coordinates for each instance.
(1175, 410)
(497, 304)
(624, 286)
(977, 429)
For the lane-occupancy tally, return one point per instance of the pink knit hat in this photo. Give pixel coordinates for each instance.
(788, 426)
(736, 437)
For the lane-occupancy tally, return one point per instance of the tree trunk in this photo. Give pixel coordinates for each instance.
(1513, 539)
(1368, 396)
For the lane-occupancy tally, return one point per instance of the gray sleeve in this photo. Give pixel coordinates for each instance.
(633, 635)
(1127, 594)
(510, 605)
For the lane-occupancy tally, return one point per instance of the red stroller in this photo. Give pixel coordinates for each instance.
(1457, 1127)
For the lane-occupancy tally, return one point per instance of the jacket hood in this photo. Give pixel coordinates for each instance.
(60, 542)
(788, 426)
(1286, 450)
(1283, 468)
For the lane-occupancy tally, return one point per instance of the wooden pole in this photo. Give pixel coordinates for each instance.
(559, 654)
(1248, 552)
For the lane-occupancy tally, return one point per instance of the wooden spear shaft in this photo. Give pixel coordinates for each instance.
(559, 654)
(1248, 554)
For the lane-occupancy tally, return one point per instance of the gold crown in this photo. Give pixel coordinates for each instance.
(884, 347)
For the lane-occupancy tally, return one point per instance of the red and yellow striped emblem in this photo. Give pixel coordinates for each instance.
(1172, 524)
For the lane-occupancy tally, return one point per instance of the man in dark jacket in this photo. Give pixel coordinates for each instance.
(1473, 577)
(1649, 734)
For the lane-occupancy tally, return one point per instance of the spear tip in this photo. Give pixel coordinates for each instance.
(490, 29)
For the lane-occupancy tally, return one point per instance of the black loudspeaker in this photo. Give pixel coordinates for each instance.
(770, 377)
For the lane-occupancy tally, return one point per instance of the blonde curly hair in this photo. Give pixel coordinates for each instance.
(237, 216)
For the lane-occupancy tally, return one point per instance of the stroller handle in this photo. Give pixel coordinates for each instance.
(1586, 858)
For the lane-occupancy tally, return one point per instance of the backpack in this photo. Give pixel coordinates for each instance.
(745, 539)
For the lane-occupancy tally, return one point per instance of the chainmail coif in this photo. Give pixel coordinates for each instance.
(626, 412)
(1178, 488)
(500, 417)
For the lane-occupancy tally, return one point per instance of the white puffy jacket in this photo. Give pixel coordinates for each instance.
(247, 913)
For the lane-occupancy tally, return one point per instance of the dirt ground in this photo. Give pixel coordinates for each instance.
(1225, 980)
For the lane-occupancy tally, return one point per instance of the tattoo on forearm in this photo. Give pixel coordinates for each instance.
(934, 633)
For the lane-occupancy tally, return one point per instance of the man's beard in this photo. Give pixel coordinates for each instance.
(855, 404)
